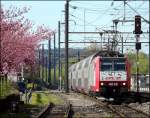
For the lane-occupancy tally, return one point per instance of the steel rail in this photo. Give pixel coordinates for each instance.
(112, 107)
(68, 106)
(68, 113)
(45, 111)
(139, 111)
(119, 109)
(100, 104)
(115, 111)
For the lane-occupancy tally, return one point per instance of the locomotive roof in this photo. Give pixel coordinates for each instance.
(103, 53)
(106, 53)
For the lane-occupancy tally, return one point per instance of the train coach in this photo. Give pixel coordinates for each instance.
(104, 73)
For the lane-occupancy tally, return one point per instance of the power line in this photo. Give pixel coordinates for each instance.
(100, 42)
(105, 32)
(139, 14)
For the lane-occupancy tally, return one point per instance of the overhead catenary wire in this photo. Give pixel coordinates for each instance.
(89, 9)
(87, 12)
(118, 15)
(138, 14)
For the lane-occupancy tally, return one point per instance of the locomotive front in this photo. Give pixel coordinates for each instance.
(114, 76)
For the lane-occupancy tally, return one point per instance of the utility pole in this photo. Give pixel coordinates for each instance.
(78, 55)
(61, 66)
(101, 40)
(59, 76)
(149, 47)
(66, 44)
(122, 44)
(84, 26)
(39, 63)
(1, 88)
(22, 71)
(49, 63)
(1, 32)
(0, 58)
(115, 36)
(46, 68)
(42, 61)
(54, 60)
(124, 18)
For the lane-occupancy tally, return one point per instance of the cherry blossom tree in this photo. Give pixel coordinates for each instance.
(18, 39)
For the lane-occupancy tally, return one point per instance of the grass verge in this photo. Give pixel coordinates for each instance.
(7, 88)
(44, 98)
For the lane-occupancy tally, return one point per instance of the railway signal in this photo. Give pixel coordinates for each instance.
(138, 47)
(138, 25)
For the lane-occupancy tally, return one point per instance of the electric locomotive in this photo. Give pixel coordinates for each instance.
(104, 73)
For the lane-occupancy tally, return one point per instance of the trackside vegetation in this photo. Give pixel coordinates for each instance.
(44, 98)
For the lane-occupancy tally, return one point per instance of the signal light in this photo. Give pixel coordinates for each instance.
(138, 25)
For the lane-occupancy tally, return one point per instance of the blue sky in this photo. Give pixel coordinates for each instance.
(40, 12)
(88, 16)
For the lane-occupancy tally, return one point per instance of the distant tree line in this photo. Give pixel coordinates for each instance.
(143, 62)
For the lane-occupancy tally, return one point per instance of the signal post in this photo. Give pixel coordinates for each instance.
(138, 47)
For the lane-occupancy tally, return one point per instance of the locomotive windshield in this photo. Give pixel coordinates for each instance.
(113, 64)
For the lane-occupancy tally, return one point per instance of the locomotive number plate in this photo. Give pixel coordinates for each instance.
(113, 84)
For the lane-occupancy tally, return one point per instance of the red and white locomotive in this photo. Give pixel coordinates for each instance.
(104, 73)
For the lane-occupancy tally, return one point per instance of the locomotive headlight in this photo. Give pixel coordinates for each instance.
(124, 84)
(102, 84)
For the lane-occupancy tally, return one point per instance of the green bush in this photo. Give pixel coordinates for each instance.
(7, 87)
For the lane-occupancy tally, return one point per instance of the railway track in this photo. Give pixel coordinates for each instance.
(125, 111)
(122, 110)
(55, 111)
(91, 112)
(45, 111)
(81, 110)
(59, 111)
(100, 110)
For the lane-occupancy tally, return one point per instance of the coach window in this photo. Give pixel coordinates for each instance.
(74, 68)
(80, 65)
(86, 63)
(77, 66)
